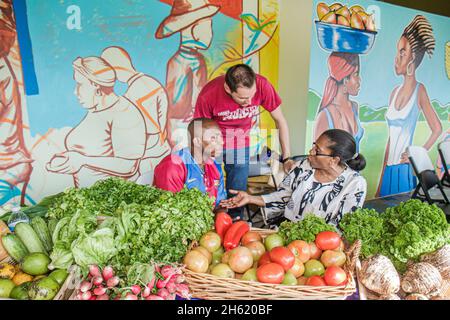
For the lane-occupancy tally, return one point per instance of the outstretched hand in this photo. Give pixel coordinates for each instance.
(240, 199)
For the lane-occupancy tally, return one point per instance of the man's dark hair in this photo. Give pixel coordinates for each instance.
(240, 75)
(202, 124)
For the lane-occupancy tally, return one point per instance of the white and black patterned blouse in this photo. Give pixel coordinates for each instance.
(300, 193)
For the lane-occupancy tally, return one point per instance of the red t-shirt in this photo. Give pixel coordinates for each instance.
(234, 120)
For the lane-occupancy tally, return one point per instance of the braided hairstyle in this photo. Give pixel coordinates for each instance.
(419, 34)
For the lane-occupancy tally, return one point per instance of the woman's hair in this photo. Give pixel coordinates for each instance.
(343, 145)
(419, 34)
(340, 66)
(96, 70)
(240, 75)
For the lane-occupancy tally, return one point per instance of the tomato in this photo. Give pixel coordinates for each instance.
(315, 281)
(341, 246)
(210, 241)
(314, 268)
(270, 273)
(257, 249)
(204, 252)
(222, 270)
(250, 236)
(335, 276)
(301, 281)
(272, 241)
(283, 256)
(195, 261)
(300, 249)
(315, 252)
(240, 260)
(333, 258)
(298, 268)
(265, 258)
(328, 240)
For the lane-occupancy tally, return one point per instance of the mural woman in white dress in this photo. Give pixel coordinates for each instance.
(111, 138)
(405, 104)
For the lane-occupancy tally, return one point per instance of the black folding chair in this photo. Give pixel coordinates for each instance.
(444, 153)
(426, 174)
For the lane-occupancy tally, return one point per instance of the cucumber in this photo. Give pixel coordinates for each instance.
(14, 246)
(41, 229)
(29, 237)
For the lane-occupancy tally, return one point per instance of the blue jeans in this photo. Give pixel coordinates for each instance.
(236, 168)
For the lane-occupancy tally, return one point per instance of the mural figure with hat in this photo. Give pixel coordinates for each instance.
(15, 158)
(186, 70)
(99, 146)
(150, 97)
(405, 104)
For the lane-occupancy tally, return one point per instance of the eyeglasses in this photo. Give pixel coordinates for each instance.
(314, 152)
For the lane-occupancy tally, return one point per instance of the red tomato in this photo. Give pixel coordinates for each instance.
(315, 252)
(328, 240)
(300, 249)
(315, 281)
(283, 256)
(250, 236)
(265, 259)
(270, 273)
(335, 276)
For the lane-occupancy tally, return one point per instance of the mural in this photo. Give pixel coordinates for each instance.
(102, 88)
(389, 89)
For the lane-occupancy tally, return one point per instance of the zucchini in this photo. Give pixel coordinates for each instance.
(41, 229)
(29, 237)
(14, 246)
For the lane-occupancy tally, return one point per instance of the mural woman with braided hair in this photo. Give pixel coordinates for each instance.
(405, 104)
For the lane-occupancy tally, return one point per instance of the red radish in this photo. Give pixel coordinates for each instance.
(161, 284)
(152, 282)
(97, 280)
(163, 293)
(179, 278)
(171, 296)
(85, 286)
(103, 297)
(131, 296)
(183, 291)
(135, 289)
(79, 295)
(86, 295)
(93, 298)
(94, 271)
(153, 297)
(112, 282)
(168, 271)
(107, 273)
(99, 291)
(146, 292)
(171, 287)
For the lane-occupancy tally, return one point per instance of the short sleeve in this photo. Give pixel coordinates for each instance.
(170, 174)
(202, 108)
(270, 98)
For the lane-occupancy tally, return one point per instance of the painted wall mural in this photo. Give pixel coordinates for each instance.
(97, 88)
(379, 72)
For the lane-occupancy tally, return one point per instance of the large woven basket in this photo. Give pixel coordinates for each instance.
(210, 287)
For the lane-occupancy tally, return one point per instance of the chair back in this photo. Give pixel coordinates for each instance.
(419, 158)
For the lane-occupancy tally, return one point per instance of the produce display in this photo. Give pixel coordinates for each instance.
(355, 16)
(244, 254)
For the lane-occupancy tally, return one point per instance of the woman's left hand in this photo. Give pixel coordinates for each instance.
(289, 165)
(72, 164)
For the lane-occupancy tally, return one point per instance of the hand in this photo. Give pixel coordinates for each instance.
(289, 165)
(241, 199)
(404, 157)
(69, 162)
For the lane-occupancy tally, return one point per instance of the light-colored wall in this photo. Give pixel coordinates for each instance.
(295, 43)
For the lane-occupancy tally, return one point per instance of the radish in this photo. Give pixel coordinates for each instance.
(152, 282)
(112, 282)
(86, 295)
(153, 297)
(131, 296)
(107, 273)
(146, 292)
(171, 296)
(168, 271)
(171, 287)
(163, 293)
(85, 286)
(178, 278)
(103, 297)
(93, 298)
(135, 289)
(99, 291)
(183, 291)
(94, 271)
(97, 280)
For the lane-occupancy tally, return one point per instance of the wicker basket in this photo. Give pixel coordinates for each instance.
(207, 286)
(66, 290)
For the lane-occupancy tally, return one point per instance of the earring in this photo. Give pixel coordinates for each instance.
(407, 69)
(98, 93)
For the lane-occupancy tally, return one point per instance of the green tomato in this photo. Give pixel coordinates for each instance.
(272, 241)
(314, 268)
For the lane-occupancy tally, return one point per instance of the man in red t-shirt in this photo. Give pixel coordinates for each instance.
(232, 101)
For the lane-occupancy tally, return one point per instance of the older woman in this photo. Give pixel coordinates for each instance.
(327, 183)
(111, 138)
